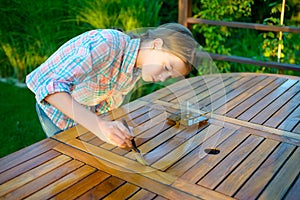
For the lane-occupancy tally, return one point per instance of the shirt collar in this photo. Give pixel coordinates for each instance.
(130, 56)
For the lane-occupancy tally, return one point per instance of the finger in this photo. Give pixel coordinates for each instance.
(125, 143)
(128, 143)
(116, 140)
(124, 130)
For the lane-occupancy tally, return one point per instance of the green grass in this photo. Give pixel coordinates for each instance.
(19, 124)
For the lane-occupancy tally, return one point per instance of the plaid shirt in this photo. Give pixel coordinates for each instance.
(96, 68)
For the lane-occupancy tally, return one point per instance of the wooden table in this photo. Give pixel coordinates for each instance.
(255, 126)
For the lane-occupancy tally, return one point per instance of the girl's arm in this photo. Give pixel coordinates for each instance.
(113, 132)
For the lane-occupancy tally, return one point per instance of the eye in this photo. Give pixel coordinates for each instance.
(166, 68)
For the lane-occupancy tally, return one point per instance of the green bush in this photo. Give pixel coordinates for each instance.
(32, 30)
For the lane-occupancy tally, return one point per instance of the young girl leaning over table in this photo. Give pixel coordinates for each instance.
(90, 74)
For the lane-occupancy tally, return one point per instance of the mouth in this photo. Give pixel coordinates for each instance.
(153, 79)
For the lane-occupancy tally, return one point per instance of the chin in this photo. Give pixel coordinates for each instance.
(147, 79)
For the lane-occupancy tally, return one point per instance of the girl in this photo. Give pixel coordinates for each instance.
(91, 73)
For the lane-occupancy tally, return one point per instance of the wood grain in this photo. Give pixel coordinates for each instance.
(32, 174)
(279, 186)
(63, 183)
(223, 169)
(257, 182)
(240, 175)
(44, 180)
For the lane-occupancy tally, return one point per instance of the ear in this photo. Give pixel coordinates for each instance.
(158, 43)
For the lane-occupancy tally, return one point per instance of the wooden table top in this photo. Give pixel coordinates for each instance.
(253, 122)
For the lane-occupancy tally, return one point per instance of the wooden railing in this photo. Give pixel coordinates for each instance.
(185, 18)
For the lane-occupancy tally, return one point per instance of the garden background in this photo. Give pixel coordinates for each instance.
(32, 30)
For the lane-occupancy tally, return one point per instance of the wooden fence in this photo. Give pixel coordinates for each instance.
(185, 18)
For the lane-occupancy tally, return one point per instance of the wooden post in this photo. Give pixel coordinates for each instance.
(280, 35)
(184, 11)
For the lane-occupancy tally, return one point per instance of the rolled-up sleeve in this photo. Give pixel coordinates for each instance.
(58, 74)
(68, 66)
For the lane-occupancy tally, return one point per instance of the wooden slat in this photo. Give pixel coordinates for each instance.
(28, 165)
(278, 117)
(269, 132)
(151, 180)
(70, 134)
(83, 186)
(267, 112)
(248, 103)
(294, 191)
(63, 183)
(26, 154)
(291, 121)
(260, 130)
(244, 95)
(211, 90)
(123, 192)
(278, 187)
(254, 186)
(158, 140)
(198, 152)
(87, 136)
(297, 128)
(199, 191)
(44, 180)
(237, 178)
(32, 174)
(208, 162)
(159, 198)
(254, 110)
(146, 129)
(245, 60)
(216, 175)
(123, 163)
(232, 92)
(142, 194)
(101, 190)
(145, 132)
(96, 141)
(262, 27)
(182, 148)
(196, 87)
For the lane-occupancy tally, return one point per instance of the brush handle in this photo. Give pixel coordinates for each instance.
(134, 147)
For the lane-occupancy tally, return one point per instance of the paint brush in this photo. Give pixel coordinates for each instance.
(138, 155)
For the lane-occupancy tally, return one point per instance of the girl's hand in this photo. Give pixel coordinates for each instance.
(115, 133)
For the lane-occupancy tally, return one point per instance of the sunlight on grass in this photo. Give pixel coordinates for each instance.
(19, 124)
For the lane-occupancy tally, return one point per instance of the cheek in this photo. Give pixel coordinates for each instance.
(152, 69)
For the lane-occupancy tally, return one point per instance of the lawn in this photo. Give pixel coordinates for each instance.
(19, 124)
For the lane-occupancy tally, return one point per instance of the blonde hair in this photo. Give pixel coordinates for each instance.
(177, 39)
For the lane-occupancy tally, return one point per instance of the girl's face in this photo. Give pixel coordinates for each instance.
(159, 65)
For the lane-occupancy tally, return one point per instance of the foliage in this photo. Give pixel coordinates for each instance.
(125, 14)
(32, 30)
(290, 49)
(215, 37)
